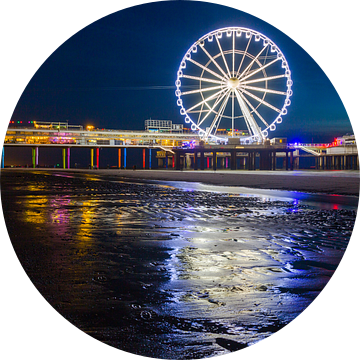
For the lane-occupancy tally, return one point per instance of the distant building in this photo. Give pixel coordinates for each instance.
(163, 126)
(345, 140)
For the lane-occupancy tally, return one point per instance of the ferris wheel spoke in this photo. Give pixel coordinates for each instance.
(223, 55)
(242, 60)
(206, 69)
(233, 55)
(206, 100)
(263, 90)
(260, 68)
(213, 60)
(254, 110)
(202, 79)
(217, 116)
(218, 123)
(261, 101)
(247, 69)
(217, 102)
(200, 112)
(262, 79)
(202, 90)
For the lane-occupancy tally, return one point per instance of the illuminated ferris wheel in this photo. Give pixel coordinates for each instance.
(233, 82)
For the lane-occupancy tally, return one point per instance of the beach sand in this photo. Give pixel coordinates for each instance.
(329, 182)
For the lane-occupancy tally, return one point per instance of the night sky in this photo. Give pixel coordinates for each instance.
(120, 70)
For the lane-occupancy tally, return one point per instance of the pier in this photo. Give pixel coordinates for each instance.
(178, 148)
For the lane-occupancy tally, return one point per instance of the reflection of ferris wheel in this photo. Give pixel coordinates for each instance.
(233, 82)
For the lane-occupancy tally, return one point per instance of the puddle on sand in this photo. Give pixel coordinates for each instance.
(167, 272)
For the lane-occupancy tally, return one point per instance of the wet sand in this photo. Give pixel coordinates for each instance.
(167, 273)
(329, 182)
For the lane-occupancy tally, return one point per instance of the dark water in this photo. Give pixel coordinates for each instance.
(171, 272)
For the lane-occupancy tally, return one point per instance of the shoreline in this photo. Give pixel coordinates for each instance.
(345, 182)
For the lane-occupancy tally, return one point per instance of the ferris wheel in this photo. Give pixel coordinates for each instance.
(233, 82)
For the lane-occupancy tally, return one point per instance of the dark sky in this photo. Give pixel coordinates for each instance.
(120, 70)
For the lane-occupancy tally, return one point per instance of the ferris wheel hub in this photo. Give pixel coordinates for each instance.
(233, 82)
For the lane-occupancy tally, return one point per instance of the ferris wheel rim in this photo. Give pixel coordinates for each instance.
(235, 31)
